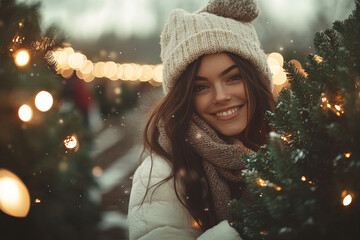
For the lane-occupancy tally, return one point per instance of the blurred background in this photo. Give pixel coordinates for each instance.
(111, 75)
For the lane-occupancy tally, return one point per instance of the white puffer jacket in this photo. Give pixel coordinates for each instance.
(164, 217)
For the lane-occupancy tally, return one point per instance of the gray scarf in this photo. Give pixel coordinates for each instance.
(221, 161)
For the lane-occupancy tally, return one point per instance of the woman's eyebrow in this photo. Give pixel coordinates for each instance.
(220, 75)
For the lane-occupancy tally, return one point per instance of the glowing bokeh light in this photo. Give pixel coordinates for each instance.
(157, 73)
(22, 58)
(296, 63)
(25, 113)
(146, 74)
(347, 200)
(120, 71)
(76, 60)
(70, 142)
(44, 101)
(88, 77)
(278, 57)
(87, 67)
(99, 69)
(110, 69)
(14, 195)
(274, 66)
(280, 78)
(303, 178)
(97, 171)
(67, 73)
(129, 72)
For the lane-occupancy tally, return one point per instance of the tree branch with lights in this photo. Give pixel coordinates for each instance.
(304, 184)
(44, 175)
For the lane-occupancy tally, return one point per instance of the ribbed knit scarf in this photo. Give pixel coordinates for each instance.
(221, 161)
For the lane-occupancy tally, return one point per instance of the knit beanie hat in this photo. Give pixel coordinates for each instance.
(221, 26)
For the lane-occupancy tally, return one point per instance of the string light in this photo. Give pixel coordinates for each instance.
(347, 155)
(261, 182)
(37, 200)
(44, 101)
(70, 142)
(22, 57)
(25, 113)
(14, 195)
(303, 178)
(347, 200)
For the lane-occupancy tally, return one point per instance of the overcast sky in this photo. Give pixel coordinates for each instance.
(90, 18)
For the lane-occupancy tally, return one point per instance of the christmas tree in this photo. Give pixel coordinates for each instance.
(304, 184)
(45, 170)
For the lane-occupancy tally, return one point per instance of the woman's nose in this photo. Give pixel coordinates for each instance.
(221, 94)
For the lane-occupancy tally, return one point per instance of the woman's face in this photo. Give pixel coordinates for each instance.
(220, 95)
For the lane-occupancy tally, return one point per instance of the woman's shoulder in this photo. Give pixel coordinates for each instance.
(154, 166)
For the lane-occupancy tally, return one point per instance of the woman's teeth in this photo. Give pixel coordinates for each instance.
(227, 113)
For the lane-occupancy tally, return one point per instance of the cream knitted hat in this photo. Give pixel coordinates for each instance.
(223, 25)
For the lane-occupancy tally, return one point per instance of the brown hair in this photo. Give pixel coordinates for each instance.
(175, 111)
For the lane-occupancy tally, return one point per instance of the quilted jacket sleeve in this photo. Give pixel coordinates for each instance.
(162, 216)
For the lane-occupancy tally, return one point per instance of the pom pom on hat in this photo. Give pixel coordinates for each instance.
(240, 10)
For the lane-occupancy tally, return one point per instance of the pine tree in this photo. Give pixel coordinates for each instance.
(304, 184)
(57, 176)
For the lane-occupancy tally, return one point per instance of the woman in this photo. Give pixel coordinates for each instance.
(217, 88)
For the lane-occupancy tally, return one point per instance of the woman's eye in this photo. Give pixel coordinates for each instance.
(199, 88)
(235, 78)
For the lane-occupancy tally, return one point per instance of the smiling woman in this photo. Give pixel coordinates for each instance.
(220, 94)
(217, 87)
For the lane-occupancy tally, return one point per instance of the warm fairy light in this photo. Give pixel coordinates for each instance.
(22, 58)
(157, 73)
(70, 142)
(278, 57)
(67, 73)
(296, 63)
(279, 78)
(303, 178)
(110, 69)
(347, 200)
(117, 91)
(25, 113)
(324, 99)
(283, 138)
(262, 233)
(274, 66)
(44, 101)
(120, 71)
(76, 60)
(278, 188)
(99, 69)
(337, 107)
(87, 67)
(328, 105)
(129, 72)
(147, 73)
(261, 182)
(14, 195)
(37, 200)
(347, 155)
(97, 171)
(318, 58)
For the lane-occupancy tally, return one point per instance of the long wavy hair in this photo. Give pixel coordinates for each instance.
(175, 111)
